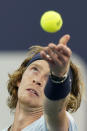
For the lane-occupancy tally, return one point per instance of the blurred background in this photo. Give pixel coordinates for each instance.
(20, 28)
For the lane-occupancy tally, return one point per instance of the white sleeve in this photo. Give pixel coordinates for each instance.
(6, 129)
(72, 124)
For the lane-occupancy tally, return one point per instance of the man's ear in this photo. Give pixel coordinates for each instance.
(18, 84)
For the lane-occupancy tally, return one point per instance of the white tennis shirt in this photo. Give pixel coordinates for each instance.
(40, 125)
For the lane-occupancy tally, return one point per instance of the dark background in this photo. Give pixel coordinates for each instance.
(20, 28)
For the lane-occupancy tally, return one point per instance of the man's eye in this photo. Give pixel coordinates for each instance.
(34, 68)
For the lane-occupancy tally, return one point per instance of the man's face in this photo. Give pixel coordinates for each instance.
(31, 87)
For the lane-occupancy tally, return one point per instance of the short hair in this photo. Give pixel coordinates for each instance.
(74, 97)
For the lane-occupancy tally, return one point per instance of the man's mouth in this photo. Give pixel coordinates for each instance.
(33, 91)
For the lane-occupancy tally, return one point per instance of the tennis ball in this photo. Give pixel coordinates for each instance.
(51, 21)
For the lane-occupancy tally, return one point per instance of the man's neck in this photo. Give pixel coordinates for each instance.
(23, 118)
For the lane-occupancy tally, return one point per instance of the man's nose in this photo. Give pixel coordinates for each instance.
(37, 82)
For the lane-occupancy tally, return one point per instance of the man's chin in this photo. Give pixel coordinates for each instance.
(32, 105)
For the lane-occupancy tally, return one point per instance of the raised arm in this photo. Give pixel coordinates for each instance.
(56, 91)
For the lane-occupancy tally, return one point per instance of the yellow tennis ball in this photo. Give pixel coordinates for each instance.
(51, 21)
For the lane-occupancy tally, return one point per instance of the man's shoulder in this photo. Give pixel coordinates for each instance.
(72, 123)
(5, 129)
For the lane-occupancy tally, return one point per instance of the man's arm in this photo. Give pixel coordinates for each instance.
(55, 104)
(58, 57)
(55, 115)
